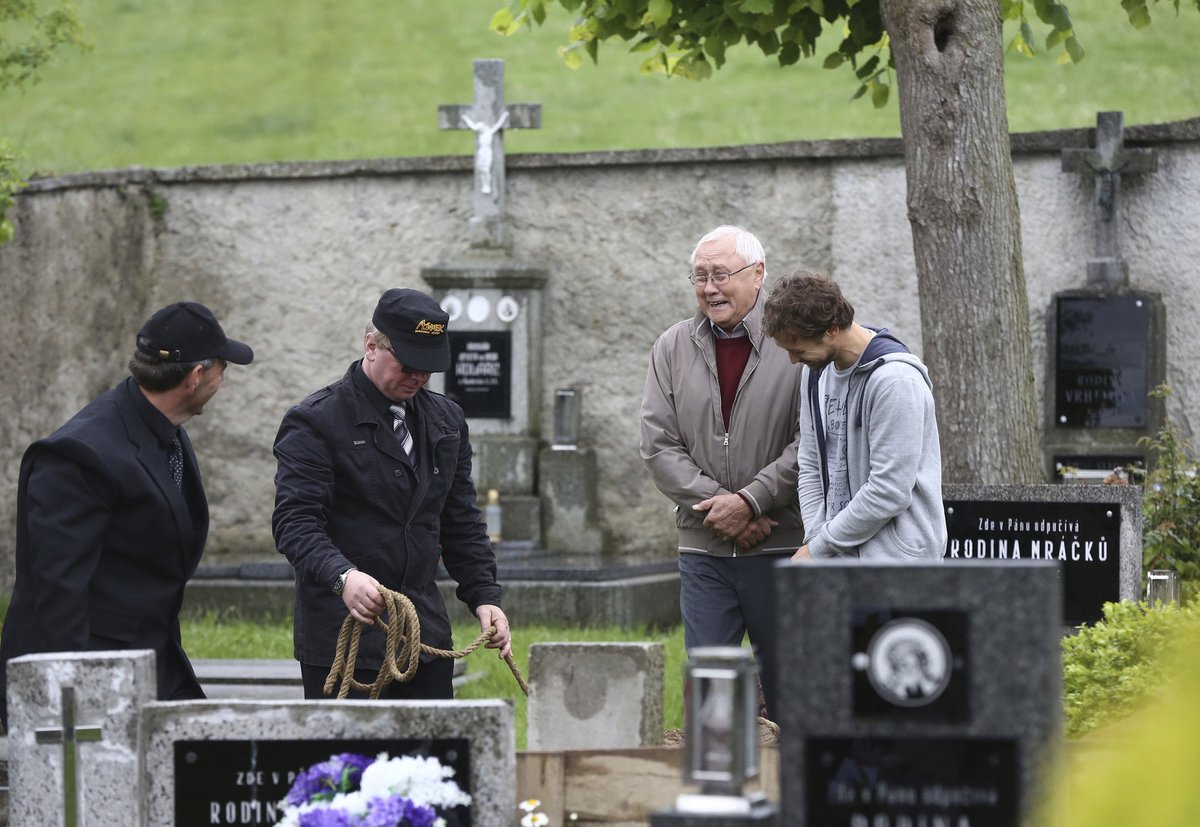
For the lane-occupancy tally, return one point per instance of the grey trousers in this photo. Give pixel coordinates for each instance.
(722, 599)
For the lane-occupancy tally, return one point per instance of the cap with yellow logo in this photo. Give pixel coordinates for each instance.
(416, 328)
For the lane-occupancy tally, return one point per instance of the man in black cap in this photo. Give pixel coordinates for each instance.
(111, 512)
(373, 485)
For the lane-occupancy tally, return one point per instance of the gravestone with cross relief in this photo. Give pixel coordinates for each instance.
(75, 738)
(1107, 341)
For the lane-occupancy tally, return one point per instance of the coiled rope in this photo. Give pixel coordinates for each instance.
(402, 651)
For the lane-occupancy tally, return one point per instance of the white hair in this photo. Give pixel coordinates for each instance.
(745, 245)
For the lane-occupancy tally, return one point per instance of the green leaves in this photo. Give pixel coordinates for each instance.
(10, 185)
(39, 33)
(1109, 668)
(1139, 15)
(1056, 16)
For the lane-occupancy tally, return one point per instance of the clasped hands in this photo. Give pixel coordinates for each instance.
(731, 519)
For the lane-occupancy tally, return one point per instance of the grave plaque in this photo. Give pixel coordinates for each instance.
(910, 664)
(1083, 538)
(1097, 462)
(862, 782)
(244, 781)
(480, 375)
(1102, 361)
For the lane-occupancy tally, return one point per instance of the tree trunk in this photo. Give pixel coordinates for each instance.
(962, 204)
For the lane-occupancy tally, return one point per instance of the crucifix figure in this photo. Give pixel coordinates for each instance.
(1107, 162)
(484, 136)
(488, 117)
(69, 736)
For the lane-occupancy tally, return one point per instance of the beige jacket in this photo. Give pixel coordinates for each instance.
(688, 452)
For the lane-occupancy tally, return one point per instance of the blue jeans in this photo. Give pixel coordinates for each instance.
(722, 599)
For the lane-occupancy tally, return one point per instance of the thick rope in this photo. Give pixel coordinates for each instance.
(402, 651)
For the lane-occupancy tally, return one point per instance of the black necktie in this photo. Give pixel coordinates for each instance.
(401, 430)
(175, 462)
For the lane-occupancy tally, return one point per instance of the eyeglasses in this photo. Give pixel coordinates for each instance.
(701, 278)
(405, 369)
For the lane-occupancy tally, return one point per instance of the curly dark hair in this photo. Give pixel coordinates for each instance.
(806, 305)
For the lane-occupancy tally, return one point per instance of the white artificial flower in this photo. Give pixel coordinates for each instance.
(423, 780)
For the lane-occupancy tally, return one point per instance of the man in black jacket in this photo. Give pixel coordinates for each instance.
(373, 485)
(111, 512)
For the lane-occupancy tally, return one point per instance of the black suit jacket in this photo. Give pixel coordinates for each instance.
(105, 541)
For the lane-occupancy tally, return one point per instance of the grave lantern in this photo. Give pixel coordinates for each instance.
(566, 419)
(1162, 586)
(721, 726)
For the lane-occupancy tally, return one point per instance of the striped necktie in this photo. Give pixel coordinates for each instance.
(401, 429)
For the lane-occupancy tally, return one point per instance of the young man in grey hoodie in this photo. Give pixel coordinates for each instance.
(870, 466)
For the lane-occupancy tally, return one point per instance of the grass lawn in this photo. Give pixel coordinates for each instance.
(213, 636)
(185, 82)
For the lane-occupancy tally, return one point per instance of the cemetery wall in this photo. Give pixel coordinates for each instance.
(293, 256)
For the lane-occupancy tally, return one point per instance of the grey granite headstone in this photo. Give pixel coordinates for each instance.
(214, 762)
(75, 738)
(595, 695)
(1093, 533)
(917, 693)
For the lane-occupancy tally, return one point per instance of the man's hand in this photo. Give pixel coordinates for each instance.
(489, 616)
(362, 597)
(803, 554)
(756, 531)
(728, 515)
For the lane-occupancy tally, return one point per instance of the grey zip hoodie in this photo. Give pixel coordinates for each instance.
(894, 461)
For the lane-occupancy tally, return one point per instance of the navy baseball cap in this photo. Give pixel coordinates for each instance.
(189, 332)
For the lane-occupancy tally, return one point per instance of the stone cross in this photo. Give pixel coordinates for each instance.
(1107, 162)
(488, 117)
(69, 736)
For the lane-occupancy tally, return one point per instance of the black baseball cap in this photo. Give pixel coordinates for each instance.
(189, 332)
(416, 327)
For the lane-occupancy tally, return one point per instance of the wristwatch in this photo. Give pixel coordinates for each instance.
(339, 585)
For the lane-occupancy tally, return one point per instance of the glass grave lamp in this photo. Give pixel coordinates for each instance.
(721, 729)
(566, 419)
(1162, 586)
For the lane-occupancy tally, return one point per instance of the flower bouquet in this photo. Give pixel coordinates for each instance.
(352, 790)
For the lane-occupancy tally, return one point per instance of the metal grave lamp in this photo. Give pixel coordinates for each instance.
(720, 741)
(566, 419)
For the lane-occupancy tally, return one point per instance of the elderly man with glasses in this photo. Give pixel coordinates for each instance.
(719, 437)
(374, 486)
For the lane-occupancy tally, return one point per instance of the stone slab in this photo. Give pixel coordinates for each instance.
(595, 695)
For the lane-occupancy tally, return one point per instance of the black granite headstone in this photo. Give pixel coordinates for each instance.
(480, 375)
(243, 782)
(1102, 361)
(1082, 537)
(863, 782)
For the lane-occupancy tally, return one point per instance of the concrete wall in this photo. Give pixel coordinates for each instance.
(293, 256)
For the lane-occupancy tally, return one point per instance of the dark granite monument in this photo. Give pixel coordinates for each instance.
(1107, 341)
(920, 693)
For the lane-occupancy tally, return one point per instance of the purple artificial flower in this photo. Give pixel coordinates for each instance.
(398, 811)
(323, 817)
(320, 782)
